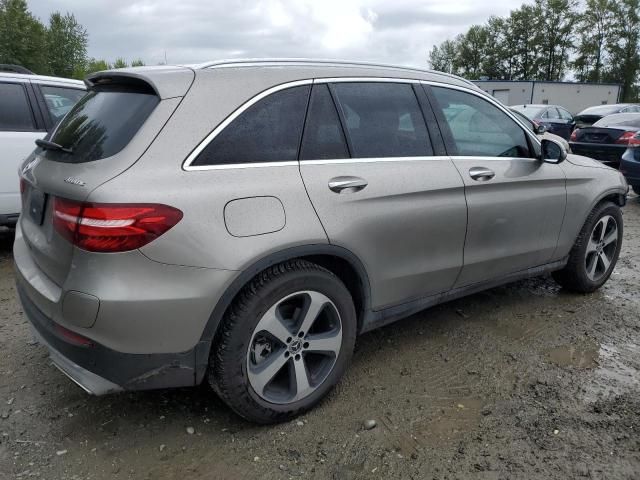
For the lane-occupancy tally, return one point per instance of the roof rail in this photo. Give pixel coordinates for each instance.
(7, 67)
(313, 61)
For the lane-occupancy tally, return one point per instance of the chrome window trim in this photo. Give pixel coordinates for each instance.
(374, 160)
(187, 164)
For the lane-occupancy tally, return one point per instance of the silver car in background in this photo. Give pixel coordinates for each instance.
(240, 223)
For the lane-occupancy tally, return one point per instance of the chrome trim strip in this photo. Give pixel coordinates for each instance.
(365, 79)
(203, 144)
(374, 160)
(186, 165)
(230, 166)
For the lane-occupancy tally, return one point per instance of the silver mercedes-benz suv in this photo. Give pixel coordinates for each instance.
(240, 223)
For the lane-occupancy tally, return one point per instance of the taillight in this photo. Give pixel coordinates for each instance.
(630, 139)
(112, 227)
(23, 185)
(574, 135)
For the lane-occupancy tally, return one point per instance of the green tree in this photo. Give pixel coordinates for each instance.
(522, 38)
(443, 58)
(120, 63)
(594, 32)
(622, 46)
(472, 50)
(22, 37)
(95, 65)
(554, 28)
(66, 46)
(137, 63)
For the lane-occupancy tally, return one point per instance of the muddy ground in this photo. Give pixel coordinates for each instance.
(524, 381)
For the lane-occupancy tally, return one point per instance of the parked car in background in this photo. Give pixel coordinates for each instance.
(630, 164)
(591, 115)
(608, 138)
(30, 106)
(541, 131)
(251, 215)
(555, 118)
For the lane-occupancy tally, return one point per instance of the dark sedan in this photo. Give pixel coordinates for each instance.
(591, 115)
(555, 118)
(630, 166)
(608, 138)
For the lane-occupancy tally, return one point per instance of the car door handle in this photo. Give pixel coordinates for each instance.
(347, 184)
(481, 174)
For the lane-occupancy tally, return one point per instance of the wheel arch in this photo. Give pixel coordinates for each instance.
(339, 260)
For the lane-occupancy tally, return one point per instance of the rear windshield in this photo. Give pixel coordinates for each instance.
(628, 119)
(101, 124)
(529, 111)
(601, 110)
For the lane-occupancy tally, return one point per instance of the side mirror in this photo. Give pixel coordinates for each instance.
(540, 129)
(552, 151)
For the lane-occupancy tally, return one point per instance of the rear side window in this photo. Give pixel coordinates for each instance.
(323, 136)
(383, 120)
(60, 100)
(101, 124)
(268, 131)
(15, 112)
(479, 128)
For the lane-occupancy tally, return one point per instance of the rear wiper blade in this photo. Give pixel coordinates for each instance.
(47, 145)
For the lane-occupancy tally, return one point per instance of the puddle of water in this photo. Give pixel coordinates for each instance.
(585, 356)
(615, 370)
(618, 372)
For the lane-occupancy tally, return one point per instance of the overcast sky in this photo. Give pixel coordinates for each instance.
(193, 31)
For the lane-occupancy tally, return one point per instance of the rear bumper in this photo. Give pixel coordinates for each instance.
(8, 219)
(100, 370)
(610, 155)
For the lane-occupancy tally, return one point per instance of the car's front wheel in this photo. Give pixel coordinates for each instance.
(595, 252)
(285, 342)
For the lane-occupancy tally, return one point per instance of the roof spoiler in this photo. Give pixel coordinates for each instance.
(165, 82)
(8, 67)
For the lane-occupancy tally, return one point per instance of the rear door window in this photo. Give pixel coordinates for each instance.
(268, 131)
(383, 120)
(479, 128)
(102, 123)
(60, 100)
(323, 136)
(15, 111)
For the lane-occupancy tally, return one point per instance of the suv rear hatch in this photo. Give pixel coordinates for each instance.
(104, 134)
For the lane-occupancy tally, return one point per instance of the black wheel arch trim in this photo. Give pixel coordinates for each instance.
(203, 347)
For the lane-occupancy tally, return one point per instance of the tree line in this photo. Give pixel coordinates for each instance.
(58, 48)
(592, 40)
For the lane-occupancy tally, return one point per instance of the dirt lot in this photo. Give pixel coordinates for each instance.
(524, 381)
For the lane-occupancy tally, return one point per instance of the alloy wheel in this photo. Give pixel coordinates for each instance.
(601, 248)
(294, 347)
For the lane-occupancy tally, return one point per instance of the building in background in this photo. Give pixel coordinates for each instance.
(575, 97)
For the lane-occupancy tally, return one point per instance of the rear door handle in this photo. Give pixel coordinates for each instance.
(481, 174)
(347, 184)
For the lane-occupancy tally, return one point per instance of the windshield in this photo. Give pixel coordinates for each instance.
(628, 119)
(529, 111)
(101, 124)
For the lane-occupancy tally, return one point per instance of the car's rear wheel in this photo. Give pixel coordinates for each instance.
(595, 253)
(285, 342)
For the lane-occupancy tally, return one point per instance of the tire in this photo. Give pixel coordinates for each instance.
(636, 189)
(249, 339)
(586, 270)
